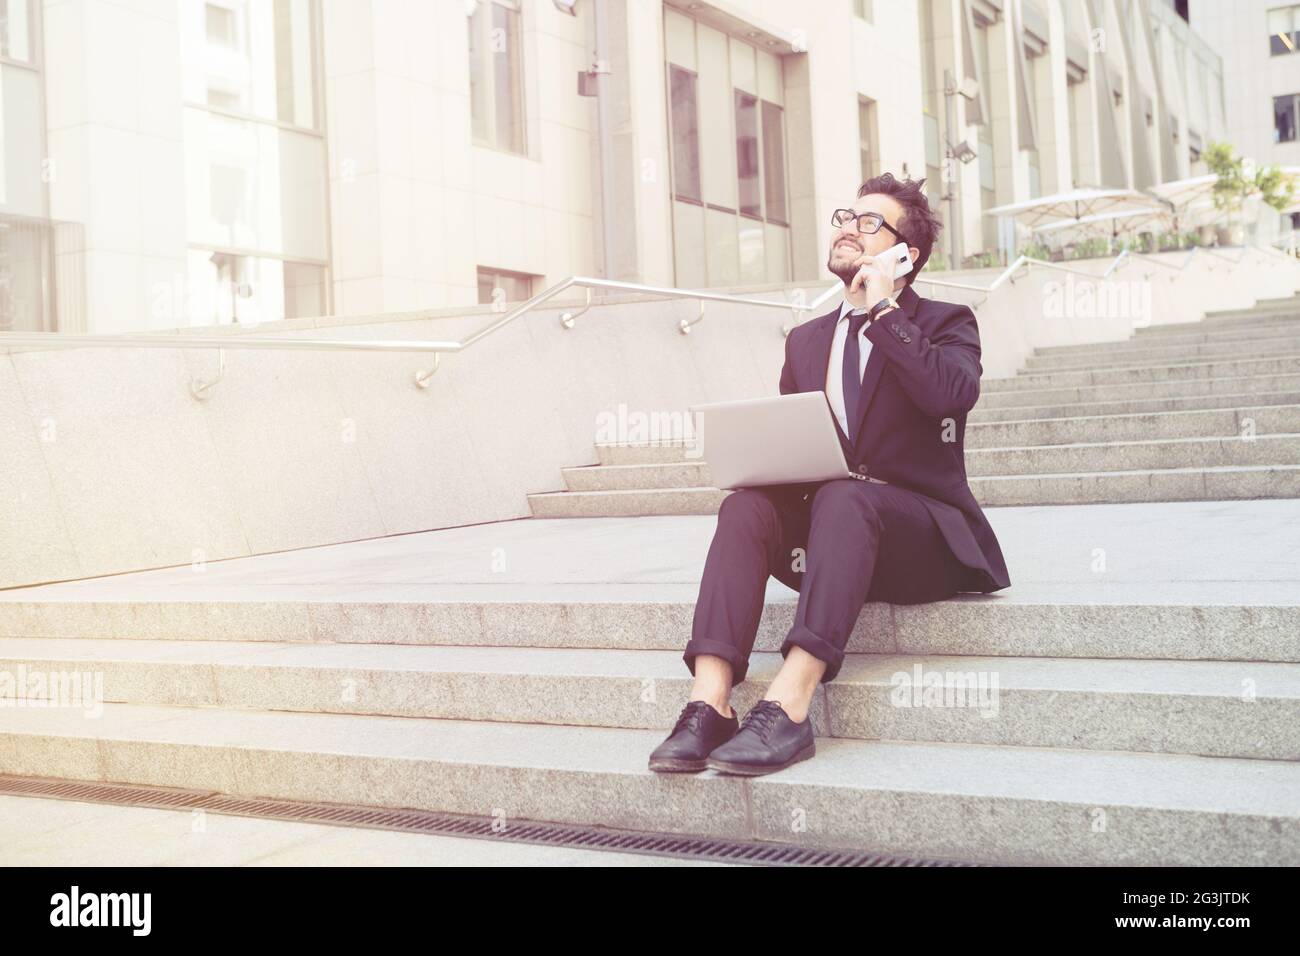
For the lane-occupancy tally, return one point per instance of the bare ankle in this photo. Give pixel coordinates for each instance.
(717, 701)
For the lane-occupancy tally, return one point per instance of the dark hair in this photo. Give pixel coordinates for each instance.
(919, 222)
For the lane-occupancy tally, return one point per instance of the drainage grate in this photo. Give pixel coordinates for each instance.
(567, 835)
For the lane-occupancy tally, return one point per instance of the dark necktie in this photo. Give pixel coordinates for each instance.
(851, 379)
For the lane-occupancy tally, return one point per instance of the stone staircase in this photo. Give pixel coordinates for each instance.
(1201, 411)
(547, 712)
(1133, 724)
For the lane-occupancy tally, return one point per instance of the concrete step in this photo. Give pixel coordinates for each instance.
(1256, 419)
(1149, 355)
(1220, 321)
(662, 477)
(646, 453)
(1284, 304)
(1109, 456)
(1238, 620)
(1054, 430)
(1202, 483)
(1166, 336)
(1133, 406)
(949, 801)
(603, 504)
(1145, 706)
(1163, 374)
(1106, 617)
(1167, 484)
(1145, 390)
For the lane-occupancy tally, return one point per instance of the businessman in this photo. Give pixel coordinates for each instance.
(900, 373)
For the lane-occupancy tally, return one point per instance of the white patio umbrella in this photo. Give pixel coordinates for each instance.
(1193, 198)
(1076, 205)
(1186, 192)
(1293, 173)
(1107, 224)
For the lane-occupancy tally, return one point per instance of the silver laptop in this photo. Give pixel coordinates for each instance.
(771, 441)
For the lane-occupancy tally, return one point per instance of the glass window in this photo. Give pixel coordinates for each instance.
(254, 186)
(982, 66)
(24, 276)
(747, 154)
(931, 126)
(1284, 118)
(929, 71)
(224, 100)
(255, 183)
(934, 189)
(686, 135)
(230, 289)
(15, 30)
(1031, 92)
(1072, 94)
(227, 192)
(774, 163)
(728, 166)
(251, 56)
(933, 158)
(1283, 31)
(22, 191)
(868, 138)
(500, 285)
(220, 24)
(496, 75)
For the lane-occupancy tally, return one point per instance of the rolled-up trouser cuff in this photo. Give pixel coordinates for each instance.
(822, 650)
(718, 649)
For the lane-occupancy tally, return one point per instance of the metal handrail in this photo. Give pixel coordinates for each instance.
(423, 378)
(1008, 275)
(178, 340)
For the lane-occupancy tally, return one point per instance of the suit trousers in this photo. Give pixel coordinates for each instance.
(839, 543)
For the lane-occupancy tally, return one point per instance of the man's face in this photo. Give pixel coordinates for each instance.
(848, 245)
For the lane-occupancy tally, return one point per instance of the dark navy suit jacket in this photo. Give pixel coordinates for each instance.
(922, 377)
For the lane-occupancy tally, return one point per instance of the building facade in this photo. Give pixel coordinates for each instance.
(258, 159)
(1259, 43)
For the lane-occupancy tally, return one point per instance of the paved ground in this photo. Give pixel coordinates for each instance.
(1201, 552)
(47, 832)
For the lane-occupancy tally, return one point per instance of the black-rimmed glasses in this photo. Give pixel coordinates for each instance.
(869, 223)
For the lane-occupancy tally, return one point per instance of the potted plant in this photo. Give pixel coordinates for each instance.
(1238, 182)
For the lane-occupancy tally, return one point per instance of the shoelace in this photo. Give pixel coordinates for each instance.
(693, 714)
(763, 717)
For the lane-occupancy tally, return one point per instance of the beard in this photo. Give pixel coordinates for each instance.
(842, 269)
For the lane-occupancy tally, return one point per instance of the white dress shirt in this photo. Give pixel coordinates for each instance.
(834, 373)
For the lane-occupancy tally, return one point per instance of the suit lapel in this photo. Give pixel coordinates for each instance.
(907, 302)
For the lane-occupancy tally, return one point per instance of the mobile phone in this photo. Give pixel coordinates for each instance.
(900, 256)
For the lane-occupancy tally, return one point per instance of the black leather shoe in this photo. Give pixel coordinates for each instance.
(768, 741)
(698, 730)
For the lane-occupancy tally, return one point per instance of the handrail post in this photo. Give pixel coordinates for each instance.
(423, 379)
(567, 319)
(685, 327)
(200, 388)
